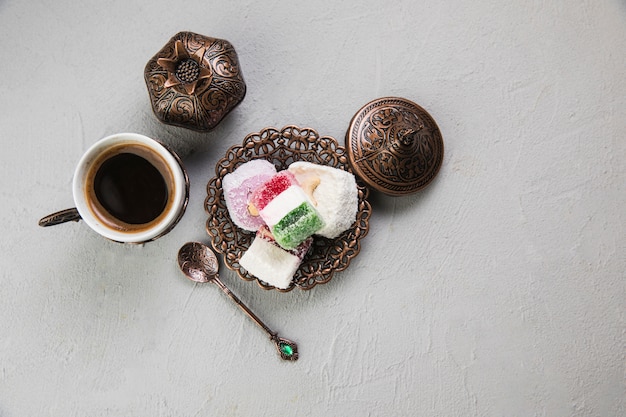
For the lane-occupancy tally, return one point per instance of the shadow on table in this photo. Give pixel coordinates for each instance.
(383, 203)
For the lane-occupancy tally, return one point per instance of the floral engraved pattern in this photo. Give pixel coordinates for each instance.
(194, 81)
(198, 262)
(396, 146)
(282, 147)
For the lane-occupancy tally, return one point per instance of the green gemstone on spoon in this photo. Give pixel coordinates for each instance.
(286, 349)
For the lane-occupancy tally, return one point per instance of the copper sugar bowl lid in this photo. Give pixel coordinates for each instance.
(394, 146)
(194, 81)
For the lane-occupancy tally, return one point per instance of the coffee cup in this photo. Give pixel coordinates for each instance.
(128, 188)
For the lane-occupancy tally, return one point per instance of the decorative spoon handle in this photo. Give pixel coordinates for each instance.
(287, 349)
(67, 215)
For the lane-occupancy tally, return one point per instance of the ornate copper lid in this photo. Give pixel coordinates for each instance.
(194, 81)
(394, 145)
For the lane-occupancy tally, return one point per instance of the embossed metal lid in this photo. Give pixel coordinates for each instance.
(194, 81)
(394, 146)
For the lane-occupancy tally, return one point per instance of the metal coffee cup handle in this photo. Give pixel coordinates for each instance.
(63, 216)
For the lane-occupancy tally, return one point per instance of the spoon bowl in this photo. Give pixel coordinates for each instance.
(198, 262)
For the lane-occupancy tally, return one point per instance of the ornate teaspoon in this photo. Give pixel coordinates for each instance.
(199, 264)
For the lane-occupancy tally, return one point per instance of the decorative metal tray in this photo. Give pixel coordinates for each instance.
(282, 147)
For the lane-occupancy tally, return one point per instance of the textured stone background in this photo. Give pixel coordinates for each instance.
(498, 291)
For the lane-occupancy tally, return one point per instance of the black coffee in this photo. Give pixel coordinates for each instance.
(130, 188)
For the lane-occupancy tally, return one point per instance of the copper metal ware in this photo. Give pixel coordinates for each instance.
(63, 216)
(198, 262)
(282, 147)
(194, 81)
(394, 145)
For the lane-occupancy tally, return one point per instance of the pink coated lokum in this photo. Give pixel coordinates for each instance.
(239, 185)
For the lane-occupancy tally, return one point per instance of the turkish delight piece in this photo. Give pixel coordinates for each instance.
(332, 191)
(239, 185)
(286, 210)
(271, 263)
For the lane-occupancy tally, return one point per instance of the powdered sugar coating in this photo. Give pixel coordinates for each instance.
(335, 196)
(269, 262)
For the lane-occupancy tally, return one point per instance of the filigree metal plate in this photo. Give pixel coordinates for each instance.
(282, 147)
(194, 81)
(394, 145)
